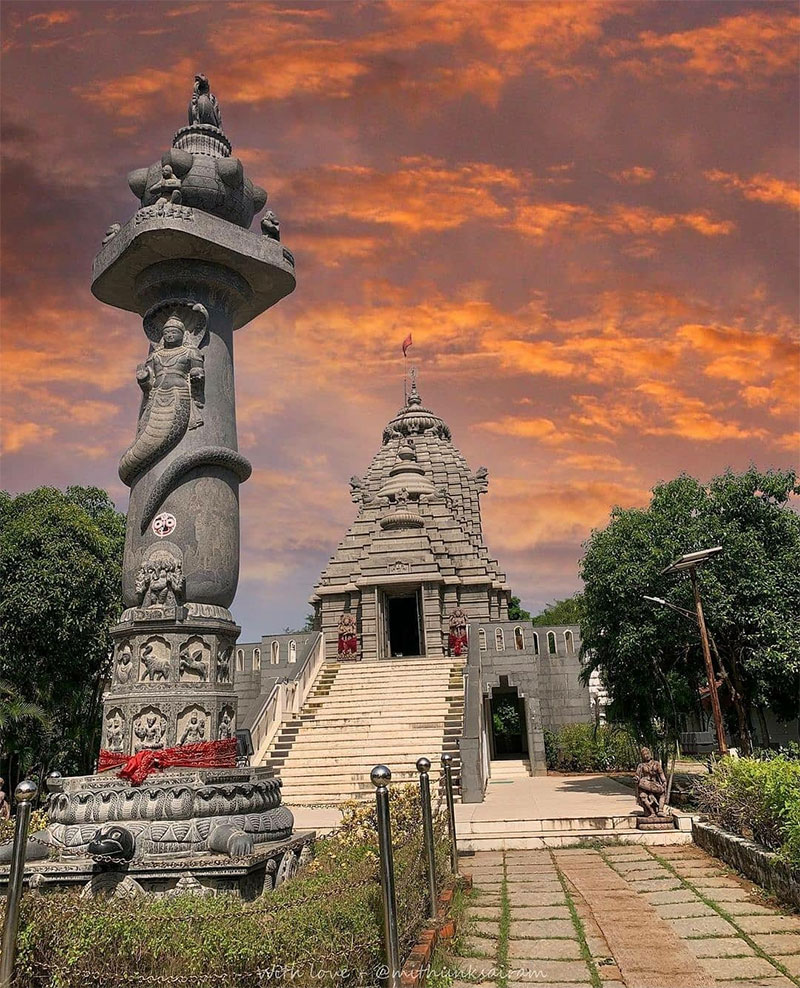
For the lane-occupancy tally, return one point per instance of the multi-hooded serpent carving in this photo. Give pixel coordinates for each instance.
(172, 380)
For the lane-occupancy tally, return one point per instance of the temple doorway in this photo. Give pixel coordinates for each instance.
(403, 625)
(509, 737)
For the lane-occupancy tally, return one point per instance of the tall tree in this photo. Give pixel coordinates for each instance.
(60, 574)
(650, 657)
(516, 612)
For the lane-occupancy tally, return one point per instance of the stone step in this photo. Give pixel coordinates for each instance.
(398, 693)
(379, 706)
(386, 720)
(349, 785)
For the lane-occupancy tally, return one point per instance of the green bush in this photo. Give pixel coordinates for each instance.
(324, 928)
(758, 799)
(585, 748)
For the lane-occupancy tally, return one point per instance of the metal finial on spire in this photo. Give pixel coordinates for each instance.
(414, 397)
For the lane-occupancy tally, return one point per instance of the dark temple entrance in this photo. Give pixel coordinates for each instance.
(403, 621)
(509, 734)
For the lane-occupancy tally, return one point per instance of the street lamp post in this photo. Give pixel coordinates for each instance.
(690, 562)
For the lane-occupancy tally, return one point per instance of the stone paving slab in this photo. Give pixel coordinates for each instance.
(721, 947)
(557, 950)
(627, 901)
(479, 947)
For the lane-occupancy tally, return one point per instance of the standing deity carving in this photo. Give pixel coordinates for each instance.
(115, 731)
(195, 730)
(203, 106)
(124, 668)
(226, 729)
(224, 665)
(172, 380)
(457, 638)
(348, 636)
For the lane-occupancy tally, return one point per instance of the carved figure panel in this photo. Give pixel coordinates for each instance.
(194, 725)
(154, 660)
(160, 582)
(194, 660)
(457, 639)
(115, 730)
(124, 667)
(227, 724)
(224, 665)
(348, 635)
(172, 381)
(149, 729)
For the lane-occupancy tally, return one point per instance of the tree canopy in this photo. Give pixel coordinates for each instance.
(516, 612)
(60, 573)
(566, 611)
(649, 656)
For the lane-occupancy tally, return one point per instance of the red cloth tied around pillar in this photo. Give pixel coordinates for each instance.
(458, 644)
(203, 754)
(110, 759)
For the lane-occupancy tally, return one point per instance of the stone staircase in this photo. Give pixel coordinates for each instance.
(360, 714)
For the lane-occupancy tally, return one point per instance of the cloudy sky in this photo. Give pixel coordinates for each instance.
(585, 213)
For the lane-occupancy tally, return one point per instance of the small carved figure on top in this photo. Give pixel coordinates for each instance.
(651, 784)
(348, 636)
(402, 496)
(458, 631)
(271, 225)
(159, 582)
(195, 731)
(5, 806)
(203, 106)
(194, 662)
(111, 232)
(168, 188)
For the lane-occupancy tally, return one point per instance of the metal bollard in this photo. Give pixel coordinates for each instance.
(447, 765)
(380, 776)
(25, 793)
(423, 767)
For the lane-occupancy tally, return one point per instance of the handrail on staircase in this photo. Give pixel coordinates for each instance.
(285, 700)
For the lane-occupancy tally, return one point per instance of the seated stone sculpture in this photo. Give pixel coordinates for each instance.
(651, 785)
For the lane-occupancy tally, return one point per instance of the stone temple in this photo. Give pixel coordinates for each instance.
(413, 652)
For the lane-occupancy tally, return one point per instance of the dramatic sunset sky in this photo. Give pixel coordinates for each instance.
(585, 213)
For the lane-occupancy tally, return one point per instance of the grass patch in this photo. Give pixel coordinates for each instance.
(504, 931)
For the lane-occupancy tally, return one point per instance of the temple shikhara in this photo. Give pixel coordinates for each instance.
(412, 637)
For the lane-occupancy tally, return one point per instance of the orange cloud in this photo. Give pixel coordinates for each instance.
(635, 175)
(15, 436)
(526, 428)
(50, 18)
(748, 50)
(761, 187)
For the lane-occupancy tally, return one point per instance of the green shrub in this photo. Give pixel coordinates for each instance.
(758, 799)
(38, 822)
(324, 928)
(584, 748)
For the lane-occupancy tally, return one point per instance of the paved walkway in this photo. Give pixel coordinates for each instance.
(662, 917)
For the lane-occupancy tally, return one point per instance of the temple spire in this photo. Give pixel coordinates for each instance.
(413, 395)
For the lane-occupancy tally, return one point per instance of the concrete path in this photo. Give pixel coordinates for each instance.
(548, 797)
(617, 916)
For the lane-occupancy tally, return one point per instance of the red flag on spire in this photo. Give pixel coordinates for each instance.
(406, 344)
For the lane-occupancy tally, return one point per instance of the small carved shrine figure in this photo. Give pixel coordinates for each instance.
(225, 730)
(651, 784)
(457, 639)
(115, 736)
(271, 225)
(155, 666)
(195, 731)
(348, 637)
(224, 665)
(5, 806)
(149, 730)
(159, 581)
(124, 664)
(193, 663)
(168, 187)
